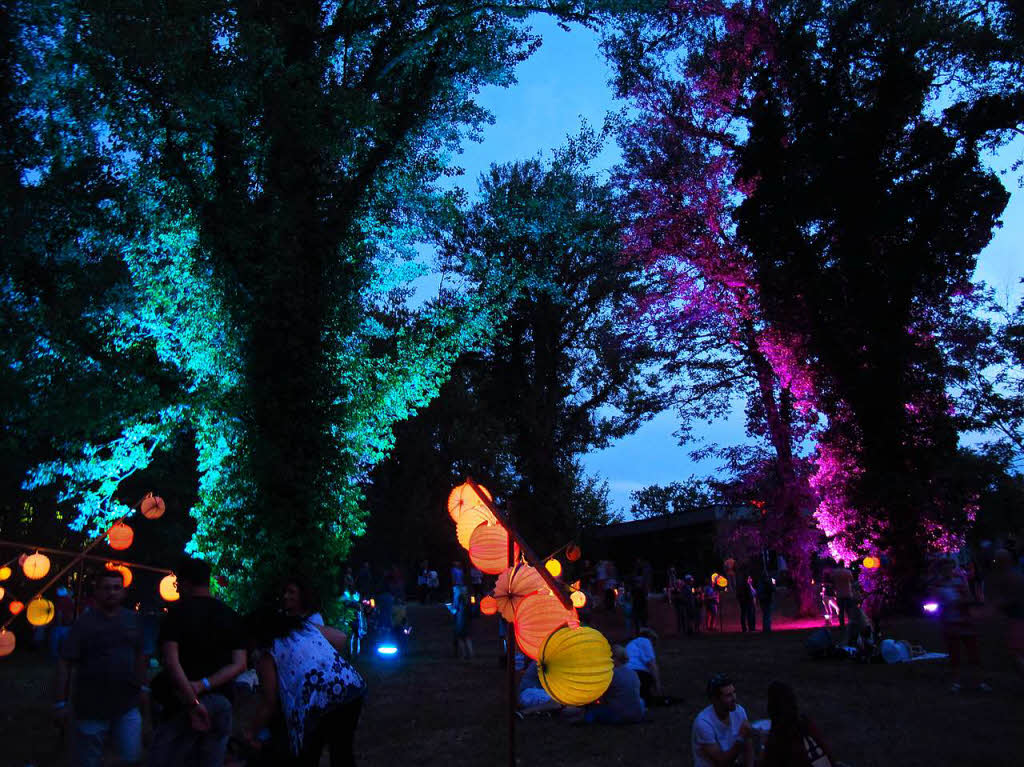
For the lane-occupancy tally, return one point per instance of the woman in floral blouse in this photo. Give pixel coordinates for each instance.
(318, 693)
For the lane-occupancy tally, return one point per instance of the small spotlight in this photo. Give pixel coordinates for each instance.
(387, 649)
(930, 607)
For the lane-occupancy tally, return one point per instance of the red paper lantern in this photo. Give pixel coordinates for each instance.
(488, 548)
(152, 506)
(573, 553)
(537, 617)
(465, 497)
(514, 585)
(488, 605)
(16, 607)
(120, 536)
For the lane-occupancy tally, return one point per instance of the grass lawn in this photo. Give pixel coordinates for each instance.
(426, 708)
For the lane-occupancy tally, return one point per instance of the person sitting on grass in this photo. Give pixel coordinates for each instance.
(794, 739)
(721, 733)
(533, 698)
(641, 659)
(621, 702)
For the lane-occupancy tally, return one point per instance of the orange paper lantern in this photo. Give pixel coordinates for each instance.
(488, 548)
(169, 588)
(152, 506)
(514, 585)
(7, 642)
(126, 574)
(573, 553)
(488, 605)
(470, 520)
(872, 563)
(722, 581)
(36, 566)
(464, 497)
(15, 607)
(120, 536)
(537, 617)
(2, 592)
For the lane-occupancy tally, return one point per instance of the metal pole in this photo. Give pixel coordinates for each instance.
(510, 665)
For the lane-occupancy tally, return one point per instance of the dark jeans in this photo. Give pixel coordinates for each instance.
(175, 743)
(766, 617)
(748, 616)
(845, 603)
(646, 687)
(336, 731)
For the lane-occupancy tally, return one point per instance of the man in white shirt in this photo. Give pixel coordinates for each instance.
(721, 733)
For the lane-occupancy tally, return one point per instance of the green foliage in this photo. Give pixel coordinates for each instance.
(674, 498)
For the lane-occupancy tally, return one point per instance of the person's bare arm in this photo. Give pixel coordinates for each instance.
(267, 672)
(728, 756)
(222, 675)
(337, 638)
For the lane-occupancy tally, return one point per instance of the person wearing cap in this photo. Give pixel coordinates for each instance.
(721, 733)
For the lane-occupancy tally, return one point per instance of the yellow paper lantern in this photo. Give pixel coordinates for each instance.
(40, 611)
(152, 506)
(536, 617)
(488, 605)
(169, 588)
(15, 607)
(554, 567)
(575, 666)
(36, 566)
(872, 563)
(514, 585)
(120, 536)
(579, 599)
(465, 497)
(5, 573)
(470, 520)
(488, 548)
(7, 642)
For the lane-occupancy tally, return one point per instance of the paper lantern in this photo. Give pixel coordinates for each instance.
(2, 592)
(40, 611)
(575, 666)
(722, 581)
(6, 642)
(536, 617)
(470, 520)
(15, 607)
(126, 574)
(21, 560)
(5, 573)
(464, 497)
(152, 506)
(488, 605)
(488, 548)
(514, 585)
(573, 553)
(554, 567)
(120, 536)
(169, 588)
(579, 599)
(36, 566)
(871, 563)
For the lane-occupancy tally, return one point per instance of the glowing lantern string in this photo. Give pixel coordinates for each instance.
(7, 642)
(36, 566)
(120, 536)
(40, 611)
(536, 617)
(575, 666)
(464, 497)
(169, 588)
(152, 506)
(488, 548)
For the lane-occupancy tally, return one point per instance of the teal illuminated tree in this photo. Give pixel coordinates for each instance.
(214, 205)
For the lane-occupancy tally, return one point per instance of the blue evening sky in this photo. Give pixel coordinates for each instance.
(566, 82)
